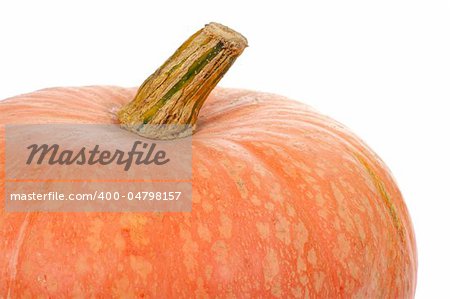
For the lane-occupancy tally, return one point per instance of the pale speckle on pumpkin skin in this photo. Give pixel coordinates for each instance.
(51, 284)
(317, 187)
(296, 292)
(343, 211)
(353, 269)
(323, 213)
(41, 280)
(307, 294)
(320, 170)
(121, 288)
(140, 266)
(367, 206)
(269, 206)
(77, 291)
(48, 236)
(301, 264)
(282, 230)
(289, 170)
(290, 211)
(347, 186)
(94, 239)
(207, 207)
(309, 194)
(196, 198)
(318, 278)
(190, 250)
(220, 251)
(349, 284)
(275, 193)
(367, 181)
(131, 220)
(203, 171)
(203, 232)
(135, 224)
(309, 179)
(337, 224)
(120, 267)
(304, 280)
(303, 167)
(255, 200)
(208, 272)
(275, 289)
(299, 239)
(270, 266)
(300, 236)
(27, 267)
(319, 199)
(312, 257)
(119, 242)
(242, 188)
(256, 181)
(342, 249)
(263, 229)
(82, 266)
(226, 227)
(360, 227)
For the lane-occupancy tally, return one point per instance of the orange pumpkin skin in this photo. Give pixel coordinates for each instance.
(286, 203)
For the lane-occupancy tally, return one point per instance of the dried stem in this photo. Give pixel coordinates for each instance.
(167, 104)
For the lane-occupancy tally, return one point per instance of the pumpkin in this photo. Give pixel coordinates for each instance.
(286, 201)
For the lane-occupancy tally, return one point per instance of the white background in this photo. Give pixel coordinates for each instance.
(380, 67)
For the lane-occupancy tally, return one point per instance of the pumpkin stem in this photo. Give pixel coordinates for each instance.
(167, 104)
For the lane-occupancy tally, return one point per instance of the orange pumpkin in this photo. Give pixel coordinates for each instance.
(286, 203)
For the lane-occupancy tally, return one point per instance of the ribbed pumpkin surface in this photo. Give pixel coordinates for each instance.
(286, 203)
